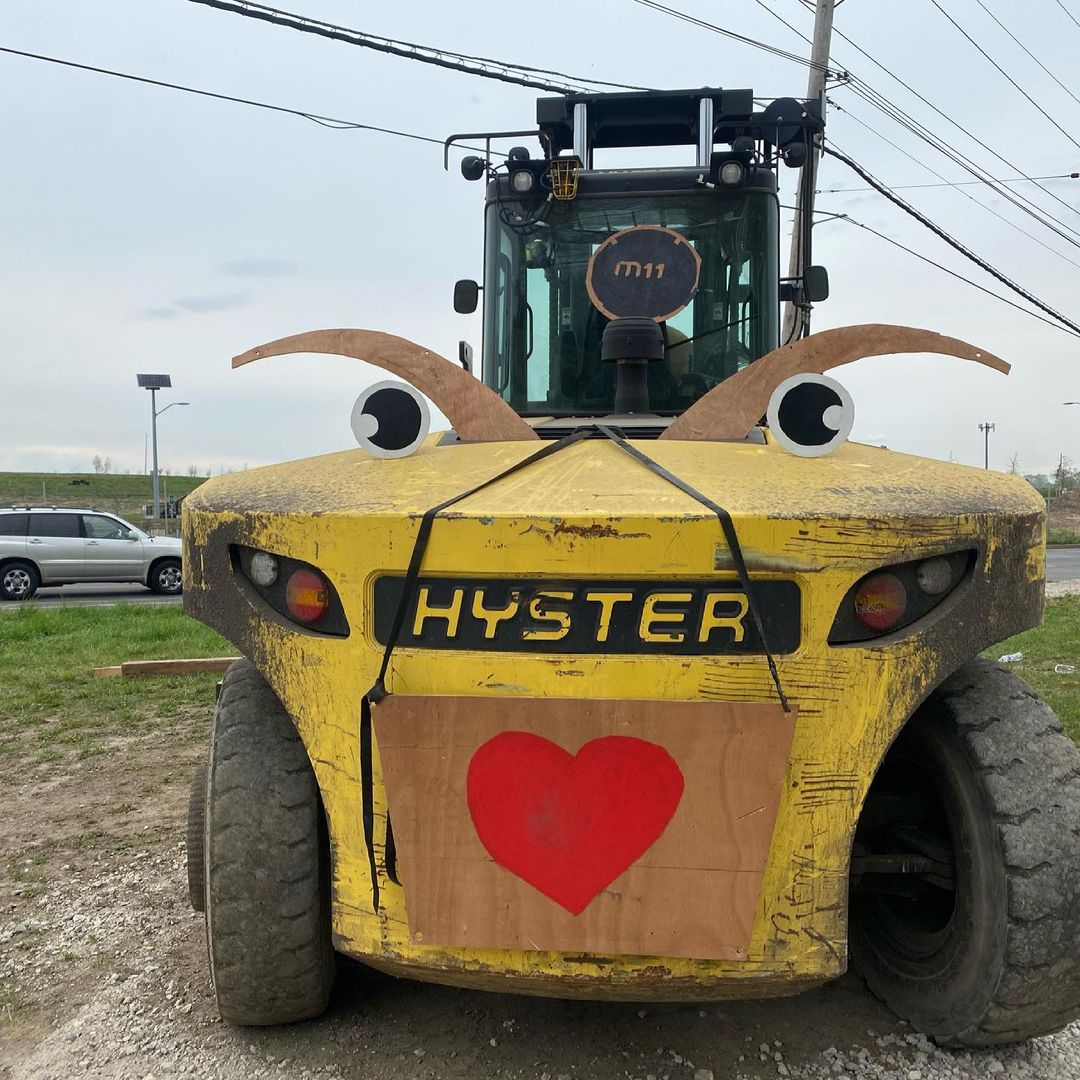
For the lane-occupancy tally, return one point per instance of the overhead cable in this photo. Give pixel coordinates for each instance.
(1028, 51)
(1067, 12)
(952, 273)
(753, 42)
(1020, 201)
(324, 121)
(950, 240)
(484, 67)
(965, 194)
(951, 183)
(1005, 74)
(926, 133)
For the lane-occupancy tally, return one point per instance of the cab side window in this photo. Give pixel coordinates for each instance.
(103, 528)
(54, 525)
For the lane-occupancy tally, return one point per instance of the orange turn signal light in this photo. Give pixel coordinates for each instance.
(881, 602)
(307, 596)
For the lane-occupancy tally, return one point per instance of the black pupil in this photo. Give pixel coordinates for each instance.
(801, 413)
(398, 415)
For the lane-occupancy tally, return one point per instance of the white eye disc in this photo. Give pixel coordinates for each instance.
(390, 419)
(810, 415)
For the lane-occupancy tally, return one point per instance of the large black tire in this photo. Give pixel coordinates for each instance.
(165, 577)
(18, 580)
(196, 839)
(267, 861)
(982, 778)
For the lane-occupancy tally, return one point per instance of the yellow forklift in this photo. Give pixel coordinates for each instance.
(641, 682)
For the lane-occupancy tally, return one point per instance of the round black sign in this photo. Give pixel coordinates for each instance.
(646, 271)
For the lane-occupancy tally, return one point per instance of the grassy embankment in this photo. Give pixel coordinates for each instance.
(117, 493)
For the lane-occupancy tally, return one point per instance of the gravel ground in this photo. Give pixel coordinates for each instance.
(146, 1012)
(1062, 588)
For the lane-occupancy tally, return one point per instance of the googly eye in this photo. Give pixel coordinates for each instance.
(810, 415)
(390, 419)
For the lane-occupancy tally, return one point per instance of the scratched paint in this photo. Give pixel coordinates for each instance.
(822, 523)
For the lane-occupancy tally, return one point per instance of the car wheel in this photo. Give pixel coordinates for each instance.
(19, 581)
(166, 577)
(267, 855)
(965, 888)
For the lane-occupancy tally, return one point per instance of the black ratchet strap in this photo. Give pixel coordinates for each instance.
(730, 536)
(378, 689)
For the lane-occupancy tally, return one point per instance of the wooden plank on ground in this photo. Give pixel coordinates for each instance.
(137, 668)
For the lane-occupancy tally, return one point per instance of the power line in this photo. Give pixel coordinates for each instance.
(1005, 74)
(1033, 210)
(483, 67)
(324, 121)
(928, 136)
(951, 241)
(895, 113)
(1067, 12)
(953, 273)
(1028, 51)
(947, 183)
(753, 42)
(966, 195)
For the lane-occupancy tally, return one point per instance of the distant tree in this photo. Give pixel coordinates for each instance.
(193, 470)
(1014, 464)
(1064, 475)
(101, 465)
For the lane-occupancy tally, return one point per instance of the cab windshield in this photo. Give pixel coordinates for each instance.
(542, 334)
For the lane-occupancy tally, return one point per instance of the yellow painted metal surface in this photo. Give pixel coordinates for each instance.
(590, 512)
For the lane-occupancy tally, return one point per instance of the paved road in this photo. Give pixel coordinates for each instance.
(96, 595)
(1062, 563)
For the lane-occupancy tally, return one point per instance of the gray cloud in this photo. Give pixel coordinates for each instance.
(199, 305)
(259, 267)
(160, 313)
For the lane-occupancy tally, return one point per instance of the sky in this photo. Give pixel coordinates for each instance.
(146, 230)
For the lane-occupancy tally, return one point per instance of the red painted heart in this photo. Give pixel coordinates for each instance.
(569, 825)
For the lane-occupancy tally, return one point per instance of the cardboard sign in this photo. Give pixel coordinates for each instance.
(636, 827)
(645, 271)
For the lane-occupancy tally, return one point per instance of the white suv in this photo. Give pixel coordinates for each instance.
(61, 546)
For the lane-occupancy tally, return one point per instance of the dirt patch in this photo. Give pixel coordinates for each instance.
(103, 967)
(1063, 515)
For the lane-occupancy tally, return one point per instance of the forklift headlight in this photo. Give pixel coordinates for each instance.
(732, 173)
(264, 569)
(522, 181)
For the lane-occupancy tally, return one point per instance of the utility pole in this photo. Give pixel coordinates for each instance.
(794, 317)
(986, 428)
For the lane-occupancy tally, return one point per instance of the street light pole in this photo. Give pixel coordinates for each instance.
(154, 383)
(986, 428)
(153, 440)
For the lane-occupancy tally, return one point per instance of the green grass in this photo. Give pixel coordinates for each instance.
(115, 492)
(51, 706)
(1056, 642)
(1062, 536)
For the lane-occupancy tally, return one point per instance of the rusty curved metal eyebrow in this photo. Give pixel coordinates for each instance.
(476, 412)
(730, 410)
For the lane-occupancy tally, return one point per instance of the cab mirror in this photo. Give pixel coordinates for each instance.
(466, 296)
(816, 284)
